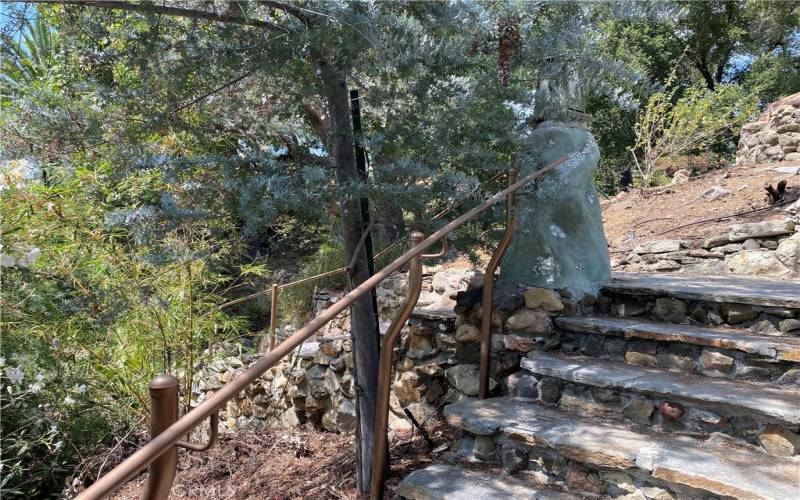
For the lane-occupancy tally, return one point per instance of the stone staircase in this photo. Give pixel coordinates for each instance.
(661, 387)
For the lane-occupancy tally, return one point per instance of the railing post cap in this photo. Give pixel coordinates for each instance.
(163, 381)
(416, 237)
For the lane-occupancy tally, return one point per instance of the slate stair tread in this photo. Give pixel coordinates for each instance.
(435, 314)
(735, 289)
(736, 397)
(680, 460)
(780, 348)
(452, 482)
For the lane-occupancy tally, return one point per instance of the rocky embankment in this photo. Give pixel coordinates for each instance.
(774, 137)
(316, 384)
(766, 248)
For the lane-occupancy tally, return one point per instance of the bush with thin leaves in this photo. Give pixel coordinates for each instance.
(669, 127)
(86, 305)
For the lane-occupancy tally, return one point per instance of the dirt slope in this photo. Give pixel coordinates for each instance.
(630, 218)
(299, 463)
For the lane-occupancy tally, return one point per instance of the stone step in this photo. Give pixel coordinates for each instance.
(676, 461)
(733, 397)
(779, 348)
(727, 289)
(434, 314)
(452, 482)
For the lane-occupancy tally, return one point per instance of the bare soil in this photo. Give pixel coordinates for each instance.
(288, 464)
(680, 212)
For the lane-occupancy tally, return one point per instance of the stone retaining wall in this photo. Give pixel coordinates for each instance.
(774, 137)
(436, 362)
(767, 248)
(316, 383)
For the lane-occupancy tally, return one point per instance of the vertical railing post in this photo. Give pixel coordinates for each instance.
(488, 288)
(273, 316)
(385, 371)
(163, 413)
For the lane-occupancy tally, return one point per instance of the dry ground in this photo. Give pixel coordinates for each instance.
(287, 464)
(633, 217)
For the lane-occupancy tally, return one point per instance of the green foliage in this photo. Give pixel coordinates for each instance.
(87, 305)
(697, 121)
(49, 419)
(772, 76)
(29, 60)
(646, 43)
(678, 46)
(612, 123)
(716, 38)
(295, 301)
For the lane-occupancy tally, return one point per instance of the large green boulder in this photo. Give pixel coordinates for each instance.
(559, 241)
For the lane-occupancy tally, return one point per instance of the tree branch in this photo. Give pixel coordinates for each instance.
(296, 12)
(211, 92)
(723, 61)
(169, 11)
(319, 121)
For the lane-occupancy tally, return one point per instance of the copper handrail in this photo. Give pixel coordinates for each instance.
(392, 246)
(488, 288)
(166, 440)
(163, 413)
(213, 434)
(385, 370)
(440, 253)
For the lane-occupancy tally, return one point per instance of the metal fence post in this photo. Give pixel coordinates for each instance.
(163, 413)
(273, 316)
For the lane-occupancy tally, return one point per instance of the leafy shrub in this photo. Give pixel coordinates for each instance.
(701, 120)
(49, 419)
(101, 294)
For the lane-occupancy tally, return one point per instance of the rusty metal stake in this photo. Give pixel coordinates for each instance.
(273, 316)
(385, 370)
(163, 413)
(488, 288)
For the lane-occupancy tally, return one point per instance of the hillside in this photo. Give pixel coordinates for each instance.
(630, 218)
(691, 213)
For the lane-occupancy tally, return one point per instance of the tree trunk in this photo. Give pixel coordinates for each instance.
(389, 223)
(702, 66)
(365, 336)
